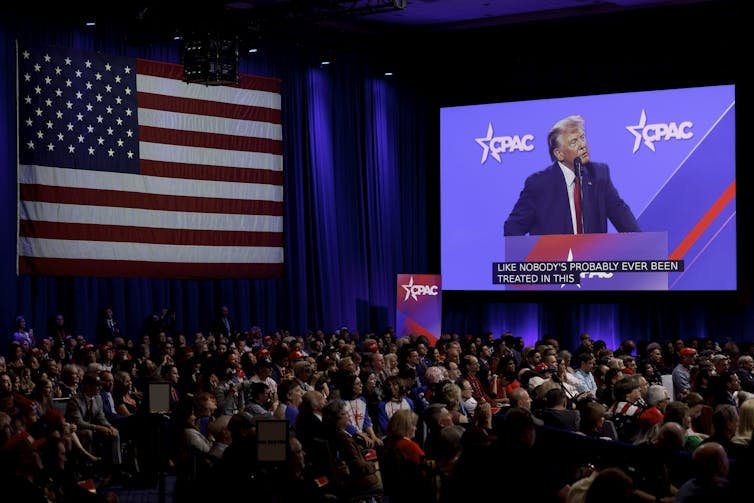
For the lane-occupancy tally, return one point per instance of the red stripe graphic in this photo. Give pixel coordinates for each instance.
(703, 224)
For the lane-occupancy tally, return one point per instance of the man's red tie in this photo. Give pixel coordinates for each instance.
(577, 204)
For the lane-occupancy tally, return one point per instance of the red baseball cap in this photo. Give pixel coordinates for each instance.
(22, 443)
(688, 352)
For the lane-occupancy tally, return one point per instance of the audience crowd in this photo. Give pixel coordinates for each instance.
(370, 417)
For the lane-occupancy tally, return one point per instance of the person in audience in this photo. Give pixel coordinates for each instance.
(405, 474)
(394, 399)
(479, 388)
(700, 412)
(725, 389)
(436, 418)
(357, 475)
(682, 372)
(661, 465)
(289, 398)
(260, 399)
(42, 396)
(360, 424)
(191, 462)
(452, 398)
(467, 396)
(606, 393)
(745, 426)
(710, 481)
(678, 412)
(86, 411)
(20, 469)
(610, 484)
(745, 371)
(586, 345)
(625, 412)
(220, 437)
(724, 427)
(372, 398)
(556, 414)
(309, 429)
(205, 407)
(586, 386)
(654, 413)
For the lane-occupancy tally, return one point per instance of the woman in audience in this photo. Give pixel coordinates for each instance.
(677, 411)
(355, 475)
(372, 397)
(126, 402)
(358, 416)
(42, 396)
(404, 470)
(394, 399)
(289, 398)
(391, 363)
(451, 397)
(745, 423)
(204, 408)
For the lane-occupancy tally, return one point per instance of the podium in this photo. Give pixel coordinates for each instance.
(610, 261)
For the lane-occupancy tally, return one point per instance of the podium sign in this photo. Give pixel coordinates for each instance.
(623, 261)
(419, 305)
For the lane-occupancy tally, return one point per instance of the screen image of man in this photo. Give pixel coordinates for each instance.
(573, 195)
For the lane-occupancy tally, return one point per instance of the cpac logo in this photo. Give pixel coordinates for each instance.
(650, 133)
(584, 275)
(496, 145)
(413, 290)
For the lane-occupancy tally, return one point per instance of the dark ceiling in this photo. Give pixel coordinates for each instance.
(320, 19)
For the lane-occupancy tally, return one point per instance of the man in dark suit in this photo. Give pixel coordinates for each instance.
(550, 200)
(107, 327)
(223, 325)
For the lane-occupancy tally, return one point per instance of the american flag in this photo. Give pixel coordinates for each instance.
(126, 170)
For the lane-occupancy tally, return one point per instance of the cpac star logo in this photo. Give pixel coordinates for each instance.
(413, 290)
(485, 144)
(496, 145)
(651, 133)
(590, 274)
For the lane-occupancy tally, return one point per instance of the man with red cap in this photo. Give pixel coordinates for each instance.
(682, 373)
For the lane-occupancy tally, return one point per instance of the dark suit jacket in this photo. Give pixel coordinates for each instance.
(543, 208)
(218, 327)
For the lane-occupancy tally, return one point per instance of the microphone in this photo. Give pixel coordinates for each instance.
(579, 169)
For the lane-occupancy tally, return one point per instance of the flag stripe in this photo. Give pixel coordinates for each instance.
(127, 170)
(151, 235)
(122, 199)
(126, 182)
(210, 157)
(217, 94)
(121, 268)
(72, 213)
(258, 114)
(209, 140)
(147, 252)
(219, 173)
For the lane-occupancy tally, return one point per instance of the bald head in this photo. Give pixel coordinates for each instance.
(710, 461)
(671, 436)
